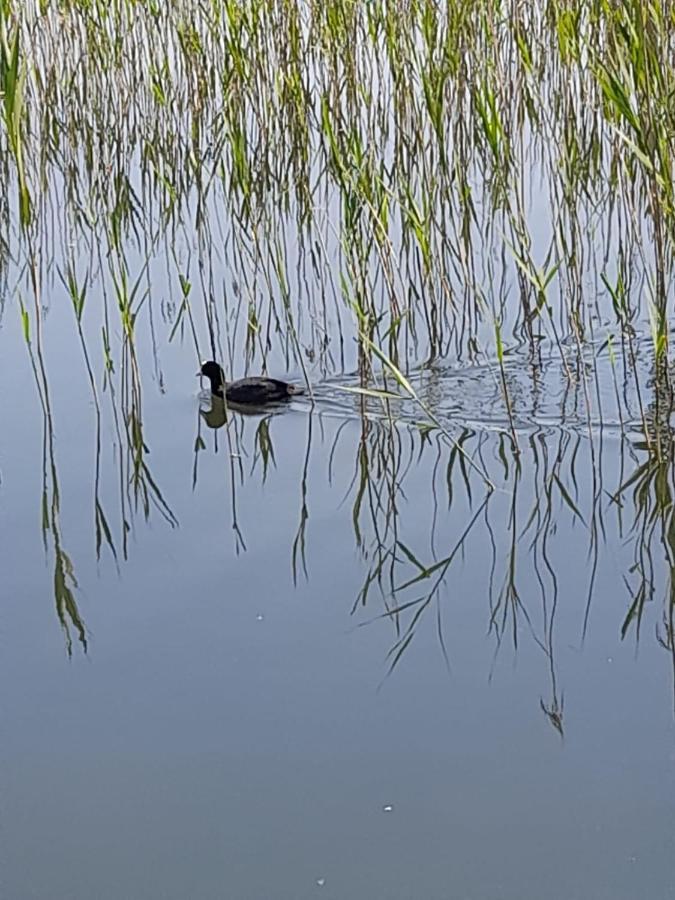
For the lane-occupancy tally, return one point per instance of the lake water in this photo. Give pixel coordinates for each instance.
(363, 647)
(228, 722)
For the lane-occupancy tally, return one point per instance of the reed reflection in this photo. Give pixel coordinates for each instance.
(513, 527)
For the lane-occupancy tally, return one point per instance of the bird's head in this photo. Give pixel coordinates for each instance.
(212, 371)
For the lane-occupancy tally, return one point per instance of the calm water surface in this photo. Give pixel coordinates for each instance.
(232, 728)
(419, 648)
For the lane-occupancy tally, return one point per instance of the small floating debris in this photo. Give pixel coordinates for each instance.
(321, 881)
(388, 807)
(259, 617)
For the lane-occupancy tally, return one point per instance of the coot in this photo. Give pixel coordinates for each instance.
(256, 391)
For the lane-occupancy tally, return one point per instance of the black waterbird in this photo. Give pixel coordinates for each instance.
(255, 391)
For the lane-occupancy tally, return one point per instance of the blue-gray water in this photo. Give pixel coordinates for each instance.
(232, 729)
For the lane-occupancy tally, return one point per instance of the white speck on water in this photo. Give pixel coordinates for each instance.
(388, 808)
(321, 881)
(259, 617)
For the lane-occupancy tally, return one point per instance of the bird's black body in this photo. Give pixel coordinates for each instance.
(256, 391)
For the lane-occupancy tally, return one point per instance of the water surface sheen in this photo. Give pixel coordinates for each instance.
(412, 636)
(233, 726)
